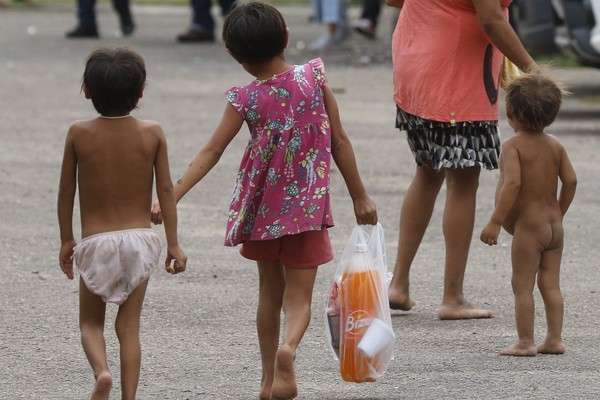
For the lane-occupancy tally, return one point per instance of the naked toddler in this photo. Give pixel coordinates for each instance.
(531, 164)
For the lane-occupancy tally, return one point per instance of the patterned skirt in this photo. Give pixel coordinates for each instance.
(451, 145)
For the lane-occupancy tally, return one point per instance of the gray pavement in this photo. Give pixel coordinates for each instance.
(198, 338)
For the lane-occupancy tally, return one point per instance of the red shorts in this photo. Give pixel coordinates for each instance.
(304, 250)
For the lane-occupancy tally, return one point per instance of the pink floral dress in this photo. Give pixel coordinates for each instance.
(282, 186)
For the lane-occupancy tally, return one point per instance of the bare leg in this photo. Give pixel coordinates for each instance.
(91, 324)
(549, 285)
(459, 218)
(415, 215)
(127, 326)
(526, 257)
(297, 300)
(271, 283)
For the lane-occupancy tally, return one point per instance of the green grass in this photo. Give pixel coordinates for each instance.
(591, 99)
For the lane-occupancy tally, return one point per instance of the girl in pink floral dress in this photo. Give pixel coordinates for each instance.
(280, 208)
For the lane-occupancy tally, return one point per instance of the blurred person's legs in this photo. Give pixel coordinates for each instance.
(86, 15)
(595, 34)
(332, 14)
(203, 24)
(367, 24)
(125, 17)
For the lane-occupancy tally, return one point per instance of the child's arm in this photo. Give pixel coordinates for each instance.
(166, 199)
(568, 179)
(66, 198)
(207, 157)
(507, 195)
(343, 155)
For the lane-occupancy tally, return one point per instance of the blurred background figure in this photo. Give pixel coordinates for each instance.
(595, 35)
(367, 24)
(86, 16)
(202, 28)
(331, 14)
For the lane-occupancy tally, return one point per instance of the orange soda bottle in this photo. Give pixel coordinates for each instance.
(359, 305)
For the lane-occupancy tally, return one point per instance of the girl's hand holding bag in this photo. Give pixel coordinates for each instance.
(357, 318)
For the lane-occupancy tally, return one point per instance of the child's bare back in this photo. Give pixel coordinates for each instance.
(116, 170)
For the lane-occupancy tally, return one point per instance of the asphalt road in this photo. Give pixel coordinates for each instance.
(198, 337)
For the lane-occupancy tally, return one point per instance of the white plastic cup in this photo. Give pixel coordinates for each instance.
(377, 337)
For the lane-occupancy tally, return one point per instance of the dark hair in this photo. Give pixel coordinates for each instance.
(533, 100)
(254, 32)
(114, 78)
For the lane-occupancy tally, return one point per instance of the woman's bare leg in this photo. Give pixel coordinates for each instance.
(271, 285)
(92, 311)
(127, 326)
(458, 222)
(415, 214)
(297, 300)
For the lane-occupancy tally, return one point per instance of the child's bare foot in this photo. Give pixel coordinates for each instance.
(551, 348)
(400, 300)
(519, 350)
(284, 383)
(463, 311)
(103, 386)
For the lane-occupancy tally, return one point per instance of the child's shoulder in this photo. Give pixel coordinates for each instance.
(80, 126)
(148, 124)
(150, 127)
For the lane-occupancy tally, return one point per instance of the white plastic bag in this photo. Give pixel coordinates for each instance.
(358, 324)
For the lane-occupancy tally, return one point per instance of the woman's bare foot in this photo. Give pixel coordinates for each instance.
(464, 311)
(265, 391)
(551, 348)
(400, 300)
(284, 383)
(103, 386)
(519, 350)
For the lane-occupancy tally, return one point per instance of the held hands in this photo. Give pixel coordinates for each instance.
(156, 214)
(489, 233)
(176, 260)
(365, 210)
(65, 258)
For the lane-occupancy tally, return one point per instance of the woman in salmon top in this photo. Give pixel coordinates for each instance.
(447, 57)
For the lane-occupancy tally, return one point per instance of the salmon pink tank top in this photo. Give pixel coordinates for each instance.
(445, 66)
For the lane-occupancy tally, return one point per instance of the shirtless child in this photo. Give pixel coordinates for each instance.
(115, 158)
(531, 164)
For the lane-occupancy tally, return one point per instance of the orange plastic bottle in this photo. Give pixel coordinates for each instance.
(359, 305)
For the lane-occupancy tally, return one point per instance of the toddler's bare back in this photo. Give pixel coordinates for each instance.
(536, 208)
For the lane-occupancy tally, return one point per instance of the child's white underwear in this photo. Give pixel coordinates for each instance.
(113, 264)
